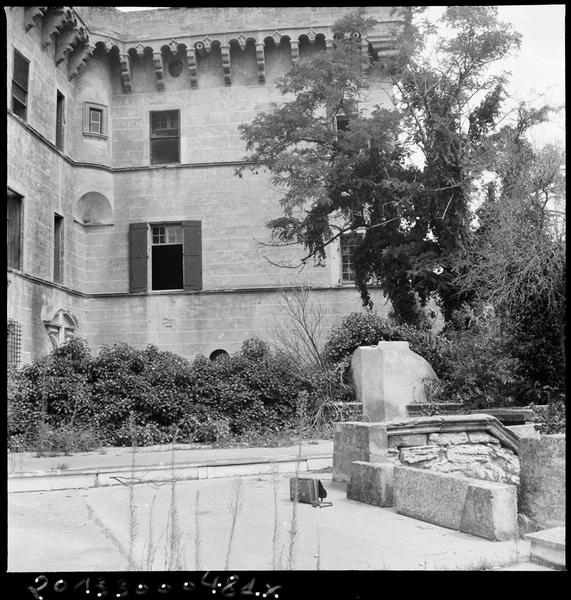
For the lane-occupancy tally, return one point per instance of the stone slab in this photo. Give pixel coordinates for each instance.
(542, 494)
(482, 508)
(548, 547)
(371, 483)
(413, 439)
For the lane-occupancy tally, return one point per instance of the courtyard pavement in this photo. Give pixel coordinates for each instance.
(87, 528)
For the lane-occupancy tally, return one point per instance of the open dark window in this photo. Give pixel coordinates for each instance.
(20, 85)
(165, 137)
(60, 119)
(168, 255)
(58, 248)
(14, 230)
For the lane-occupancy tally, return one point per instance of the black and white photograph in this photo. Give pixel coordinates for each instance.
(286, 293)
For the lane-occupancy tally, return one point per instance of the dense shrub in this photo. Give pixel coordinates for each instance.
(551, 418)
(479, 364)
(125, 395)
(48, 394)
(368, 329)
(481, 372)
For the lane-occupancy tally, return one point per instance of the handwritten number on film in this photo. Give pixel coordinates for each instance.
(218, 585)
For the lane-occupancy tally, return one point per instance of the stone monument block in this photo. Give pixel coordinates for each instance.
(541, 493)
(483, 508)
(387, 377)
(371, 483)
(355, 441)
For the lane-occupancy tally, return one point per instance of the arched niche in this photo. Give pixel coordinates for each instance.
(93, 208)
(218, 354)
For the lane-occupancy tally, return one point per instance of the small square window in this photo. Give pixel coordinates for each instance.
(94, 120)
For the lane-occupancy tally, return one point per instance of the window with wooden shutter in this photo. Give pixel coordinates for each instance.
(138, 257)
(171, 253)
(192, 249)
(166, 256)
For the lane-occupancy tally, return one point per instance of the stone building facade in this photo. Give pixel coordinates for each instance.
(126, 221)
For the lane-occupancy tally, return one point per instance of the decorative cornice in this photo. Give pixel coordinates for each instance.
(191, 58)
(261, 62)
(125, 71)
(33, 16)
(159, 74)
(54, 20)
(225, 52)
(294, 45)
(78, 59)
(454, 423)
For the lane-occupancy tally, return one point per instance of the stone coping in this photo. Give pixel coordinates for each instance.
(449, 424)
(554, 537)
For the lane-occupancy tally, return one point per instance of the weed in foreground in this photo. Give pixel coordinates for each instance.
(234, 506)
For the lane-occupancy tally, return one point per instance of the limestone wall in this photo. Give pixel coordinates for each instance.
(472, 446)
(107, 69)
(475, 454)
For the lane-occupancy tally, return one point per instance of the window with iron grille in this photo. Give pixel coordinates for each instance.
(349, 244)
(14, 230)
(20, 85)
(14, 342)
(165, 137)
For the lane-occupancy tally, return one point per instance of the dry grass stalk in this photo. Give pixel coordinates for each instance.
(234, 506)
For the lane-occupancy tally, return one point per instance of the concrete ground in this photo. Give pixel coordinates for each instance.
(87, 529)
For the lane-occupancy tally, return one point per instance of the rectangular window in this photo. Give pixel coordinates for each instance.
(342, 122)
(14, 343)
(14, 230)
(60, 119)
(20, 85)
(349, 243)
(168, 255)
(58, 248)
(96, 120)
(165, 137)
(166, 258)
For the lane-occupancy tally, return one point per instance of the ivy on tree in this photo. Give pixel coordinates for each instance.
(359, 177)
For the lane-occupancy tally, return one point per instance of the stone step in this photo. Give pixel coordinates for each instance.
(548, 547)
